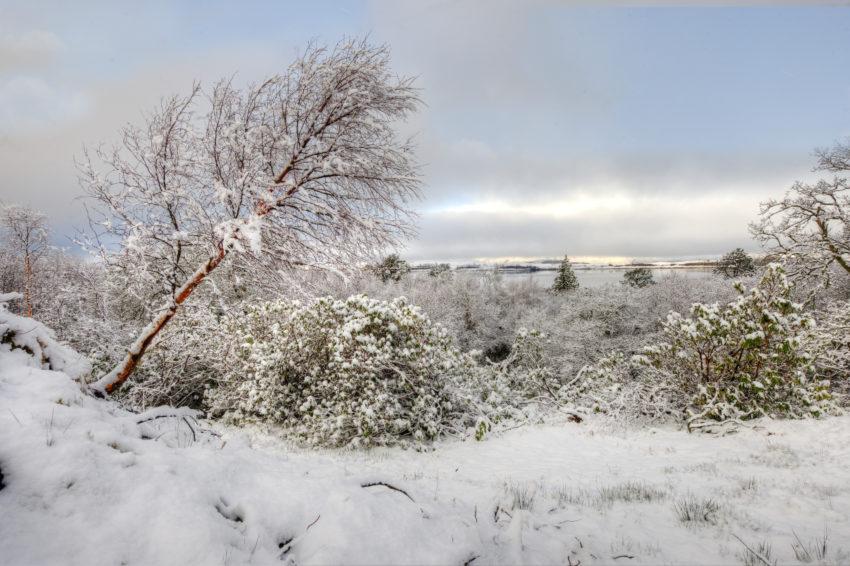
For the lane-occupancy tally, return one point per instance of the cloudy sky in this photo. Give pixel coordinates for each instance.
(599, 129)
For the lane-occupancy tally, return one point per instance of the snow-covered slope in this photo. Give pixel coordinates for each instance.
(88, 483)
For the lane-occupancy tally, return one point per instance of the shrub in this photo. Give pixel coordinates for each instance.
(39, 341)
(391, 268)
(346, 372)
(639, 277)
(831, 340)
(744, 359)
(735, 264)
(529, 374)
(189, 357)
(439, 270)
(625, 391)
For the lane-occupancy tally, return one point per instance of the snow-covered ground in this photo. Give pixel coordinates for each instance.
(86, 484)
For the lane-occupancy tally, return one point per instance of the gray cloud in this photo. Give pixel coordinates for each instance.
(492, 188)
(40, 136)
(642, 227)
(34, 48)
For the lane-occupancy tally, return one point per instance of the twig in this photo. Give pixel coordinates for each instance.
(388, 486)
(316, 520)
(15, 417)
(194, 437)
(155, 417)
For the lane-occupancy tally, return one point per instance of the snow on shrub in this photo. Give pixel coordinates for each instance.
(18, 332)
(521, 387)
(745, 359)
(185, 360)
(624, 391)
(831, 340)
(345, 372)
(526, 369)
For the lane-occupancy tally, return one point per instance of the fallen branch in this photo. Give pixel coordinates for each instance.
(388, 486)
(316, 520)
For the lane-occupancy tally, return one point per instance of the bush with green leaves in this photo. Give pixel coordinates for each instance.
(391, 268)
(745, 359)
(639, 277)
(736, 263)
(352, 372)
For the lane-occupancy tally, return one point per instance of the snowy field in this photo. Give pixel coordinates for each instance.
(88, 483)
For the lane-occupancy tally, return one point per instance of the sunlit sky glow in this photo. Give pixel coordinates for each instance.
(598, 129)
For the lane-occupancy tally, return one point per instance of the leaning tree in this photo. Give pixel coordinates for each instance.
(304, 169)
(809, 227)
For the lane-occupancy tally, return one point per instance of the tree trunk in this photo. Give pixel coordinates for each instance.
(27, 286)
(110, 382)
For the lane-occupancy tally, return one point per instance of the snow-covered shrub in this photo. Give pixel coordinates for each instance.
(736, 263)
(585, 326)
(37, 340)
(625, 391)
(526, 368)
(88, 308)
(391, 268)
(744, 359)
(440, 270)
(521, 387)
(831, 341)
(481, 311)
(485, 311)
(353, 372)
(190, 357)
(638, 277)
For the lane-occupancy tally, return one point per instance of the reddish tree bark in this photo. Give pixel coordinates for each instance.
(114, 379)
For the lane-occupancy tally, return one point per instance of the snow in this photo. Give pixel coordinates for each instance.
(86, 484)
(18, 332)
(9, 297)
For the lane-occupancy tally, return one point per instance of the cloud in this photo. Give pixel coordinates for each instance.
(484, 202)
(30, 104)
(32, 49)
(535, 138)
(43, 128)
(480, 171)
(627, 225)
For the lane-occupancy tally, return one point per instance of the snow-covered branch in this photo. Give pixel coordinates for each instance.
(302, 169)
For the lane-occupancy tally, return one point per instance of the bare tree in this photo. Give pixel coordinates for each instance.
(25, 232)
(302, 170)
(810, 226)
